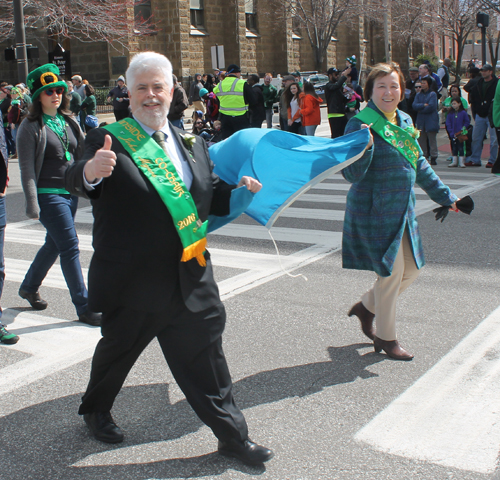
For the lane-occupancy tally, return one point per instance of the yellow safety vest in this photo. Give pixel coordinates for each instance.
(230, 95)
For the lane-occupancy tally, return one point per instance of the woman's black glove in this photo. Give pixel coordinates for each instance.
(465, 205)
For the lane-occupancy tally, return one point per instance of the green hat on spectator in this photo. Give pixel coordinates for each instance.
(44, 78)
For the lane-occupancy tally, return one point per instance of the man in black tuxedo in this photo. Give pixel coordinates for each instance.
(137, 278)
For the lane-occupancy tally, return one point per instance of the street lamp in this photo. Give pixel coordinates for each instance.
(482, 21)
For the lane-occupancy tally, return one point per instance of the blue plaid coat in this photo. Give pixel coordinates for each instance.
(381, 203)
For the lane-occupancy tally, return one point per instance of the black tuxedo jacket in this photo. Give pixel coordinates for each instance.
(136, 262)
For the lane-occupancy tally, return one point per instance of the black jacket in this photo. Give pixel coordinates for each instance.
(136, 262)
(481, 104)
(179, 103)
(334, 96)
(257, 110)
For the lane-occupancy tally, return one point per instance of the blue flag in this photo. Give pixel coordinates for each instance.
(286, 164)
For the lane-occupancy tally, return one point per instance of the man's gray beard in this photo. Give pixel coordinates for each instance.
(155, 120)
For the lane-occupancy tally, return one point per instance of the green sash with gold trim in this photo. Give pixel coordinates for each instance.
(161, 172)
(400, 139)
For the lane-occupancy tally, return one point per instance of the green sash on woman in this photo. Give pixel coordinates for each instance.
(400, 139)
(161, 172)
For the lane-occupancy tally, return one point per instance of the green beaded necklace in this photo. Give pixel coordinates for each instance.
(58, 125)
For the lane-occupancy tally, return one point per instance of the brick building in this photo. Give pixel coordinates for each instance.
(252, 34)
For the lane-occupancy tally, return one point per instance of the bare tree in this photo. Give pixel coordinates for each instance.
(88, 20)
(410, 22)
(318, 19)
(457, 19)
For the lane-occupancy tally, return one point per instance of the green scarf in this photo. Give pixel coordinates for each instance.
(161, 172)
(400, 139)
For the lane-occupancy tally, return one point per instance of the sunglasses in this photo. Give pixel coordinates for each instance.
(198, 123)
(418, 86)
(50, 91)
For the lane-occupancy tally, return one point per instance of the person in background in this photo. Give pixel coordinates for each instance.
(5, 336)
(210, 83)
(444, 75)
(50, 140)
(335, 101)
(178, 105)
(457, 123)
(410, 92)
(235, 97)
(283, 109)
(89, 107)
(475, 76)
(258, 110)
(25, 93)
(424, 71)
(310, 109)
(292, 98)
(78, 86)
(481, 101)
(426, 105)
(75, 101)
(270, 93)
(194, 93)
(5, 101)
(16, 112)
(350, 62)
(119, 95)
(212, 105)
(453, 94)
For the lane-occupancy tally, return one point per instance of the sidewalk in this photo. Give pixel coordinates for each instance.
(442, 138)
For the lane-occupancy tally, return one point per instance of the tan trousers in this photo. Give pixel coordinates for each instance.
(198, 105)
(381, 298)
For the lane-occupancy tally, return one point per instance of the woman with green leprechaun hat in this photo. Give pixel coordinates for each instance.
(49, 140)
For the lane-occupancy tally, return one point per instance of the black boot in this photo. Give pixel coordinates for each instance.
(433, 160)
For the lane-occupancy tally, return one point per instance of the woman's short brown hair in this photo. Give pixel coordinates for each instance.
(381, 70)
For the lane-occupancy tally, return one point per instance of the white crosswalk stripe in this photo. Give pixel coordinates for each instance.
(253, 269)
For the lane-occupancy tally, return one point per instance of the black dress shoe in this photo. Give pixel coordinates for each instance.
(91, 318)
(246, 451)
(103, 427)
(37, 302)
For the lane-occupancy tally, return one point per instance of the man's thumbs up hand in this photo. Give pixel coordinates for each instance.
(103, 163)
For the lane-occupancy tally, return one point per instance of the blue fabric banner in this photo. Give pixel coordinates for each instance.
(286, 164)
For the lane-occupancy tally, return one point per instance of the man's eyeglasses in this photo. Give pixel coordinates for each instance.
(198, 123)
(50, 91)
(418, 86)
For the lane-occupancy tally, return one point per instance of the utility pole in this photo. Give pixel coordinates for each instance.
(387, 45)
(21, 55)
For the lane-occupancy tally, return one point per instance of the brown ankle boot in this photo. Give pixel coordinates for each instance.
(365, 317)
(392, 348)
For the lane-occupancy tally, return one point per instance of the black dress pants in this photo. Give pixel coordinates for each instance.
(230, 125)
(337, 125)
(192, 346)
(121, 114)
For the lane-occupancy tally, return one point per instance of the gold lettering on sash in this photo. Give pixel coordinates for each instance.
(187, 221)
(134, 131)
(129, 142)
(170, 176)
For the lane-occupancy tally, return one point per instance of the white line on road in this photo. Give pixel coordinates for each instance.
(451, 415)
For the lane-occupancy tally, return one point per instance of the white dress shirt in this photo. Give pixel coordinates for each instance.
(174, 151)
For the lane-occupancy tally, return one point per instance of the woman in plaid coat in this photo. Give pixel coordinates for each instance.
(380, 226)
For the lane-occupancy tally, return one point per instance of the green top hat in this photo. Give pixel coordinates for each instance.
(43, 78)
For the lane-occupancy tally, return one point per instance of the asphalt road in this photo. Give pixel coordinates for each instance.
(308, 381)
